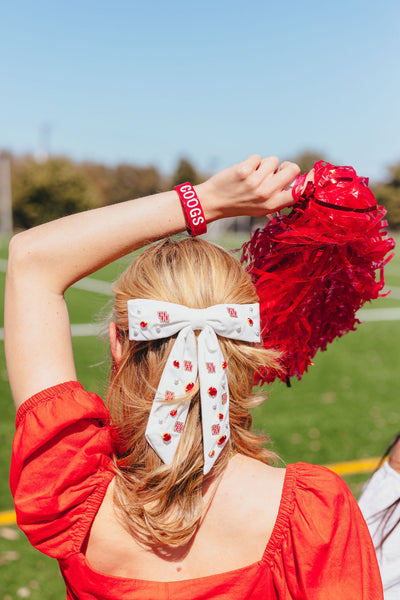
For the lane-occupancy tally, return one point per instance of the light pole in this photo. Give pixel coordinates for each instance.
(6, 224)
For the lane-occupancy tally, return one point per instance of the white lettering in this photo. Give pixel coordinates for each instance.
(195, 212)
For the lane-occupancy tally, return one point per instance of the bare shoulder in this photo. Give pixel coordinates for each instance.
(252, 489)
(257, 476)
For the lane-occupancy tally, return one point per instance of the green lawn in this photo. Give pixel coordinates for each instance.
(345, 408)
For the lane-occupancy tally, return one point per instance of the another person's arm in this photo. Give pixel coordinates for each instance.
(382, 490)
(380, 505)
(394, 458)
(46, 260)
(380, 498)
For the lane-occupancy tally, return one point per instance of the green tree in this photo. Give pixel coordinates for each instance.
(49, 190)
(185, 171)
(123, 182)
(388, 195)
(100, 177)
(129, 182)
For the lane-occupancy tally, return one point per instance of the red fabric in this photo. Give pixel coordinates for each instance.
(314, 268)
(320, 547)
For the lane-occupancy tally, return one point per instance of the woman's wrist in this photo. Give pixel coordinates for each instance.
(195, 219)
(209, 202)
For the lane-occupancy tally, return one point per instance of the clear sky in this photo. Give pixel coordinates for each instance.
(150, 81)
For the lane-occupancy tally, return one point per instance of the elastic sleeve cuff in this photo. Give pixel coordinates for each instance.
(44, 396)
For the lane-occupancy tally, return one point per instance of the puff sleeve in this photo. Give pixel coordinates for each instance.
(61, 466)
(326, 551)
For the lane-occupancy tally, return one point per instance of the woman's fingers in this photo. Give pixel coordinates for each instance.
(268, 166)
(284, 164)
(254, 187)
(278, 180)
(267, 170)
(279, 201)
(286, 174)
(276, 188)
(248, 166)
(269, 182)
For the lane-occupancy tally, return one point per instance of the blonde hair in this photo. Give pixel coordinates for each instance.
(158, 503)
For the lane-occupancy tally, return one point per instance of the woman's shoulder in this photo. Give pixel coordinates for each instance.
(301, 502)
(258, 480)
(297, 499)
(314, 491)
(320, 539)
(275, 490)
(310, 477)
(254, 471)
(317, 511)
(288, 484)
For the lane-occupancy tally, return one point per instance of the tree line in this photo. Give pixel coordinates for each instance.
(52, 188)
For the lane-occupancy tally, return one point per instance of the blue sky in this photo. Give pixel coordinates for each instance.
(149, 82)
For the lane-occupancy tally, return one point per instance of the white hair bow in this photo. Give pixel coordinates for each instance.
(152, 320)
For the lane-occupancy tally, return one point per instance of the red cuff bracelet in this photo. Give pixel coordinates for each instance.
(194, 216)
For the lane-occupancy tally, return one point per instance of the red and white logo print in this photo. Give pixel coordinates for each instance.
(178, 427)
(232, 312)
(163, 316)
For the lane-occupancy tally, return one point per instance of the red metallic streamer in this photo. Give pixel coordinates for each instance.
(316, 267)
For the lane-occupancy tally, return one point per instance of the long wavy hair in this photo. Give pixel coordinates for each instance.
(162, 504)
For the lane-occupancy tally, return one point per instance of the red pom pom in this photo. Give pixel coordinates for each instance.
(315, 267)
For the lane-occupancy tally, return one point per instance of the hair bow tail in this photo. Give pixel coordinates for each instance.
(214, 395)
(168, 413)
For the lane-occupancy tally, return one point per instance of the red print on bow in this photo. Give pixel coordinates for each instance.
(215, 429)
(163, 316)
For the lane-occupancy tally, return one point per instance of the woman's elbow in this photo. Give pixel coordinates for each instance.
(21, 254)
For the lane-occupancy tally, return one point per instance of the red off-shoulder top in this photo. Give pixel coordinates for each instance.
(319, 549)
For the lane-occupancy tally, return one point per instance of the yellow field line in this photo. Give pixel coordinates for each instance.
(352, 467)
(7, 517)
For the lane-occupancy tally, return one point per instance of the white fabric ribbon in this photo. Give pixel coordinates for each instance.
(152, 320)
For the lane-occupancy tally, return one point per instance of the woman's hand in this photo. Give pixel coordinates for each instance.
(254, 187)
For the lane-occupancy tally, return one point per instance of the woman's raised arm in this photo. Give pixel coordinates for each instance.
(46, 260)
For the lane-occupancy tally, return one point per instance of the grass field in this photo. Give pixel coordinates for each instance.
(345, 408)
